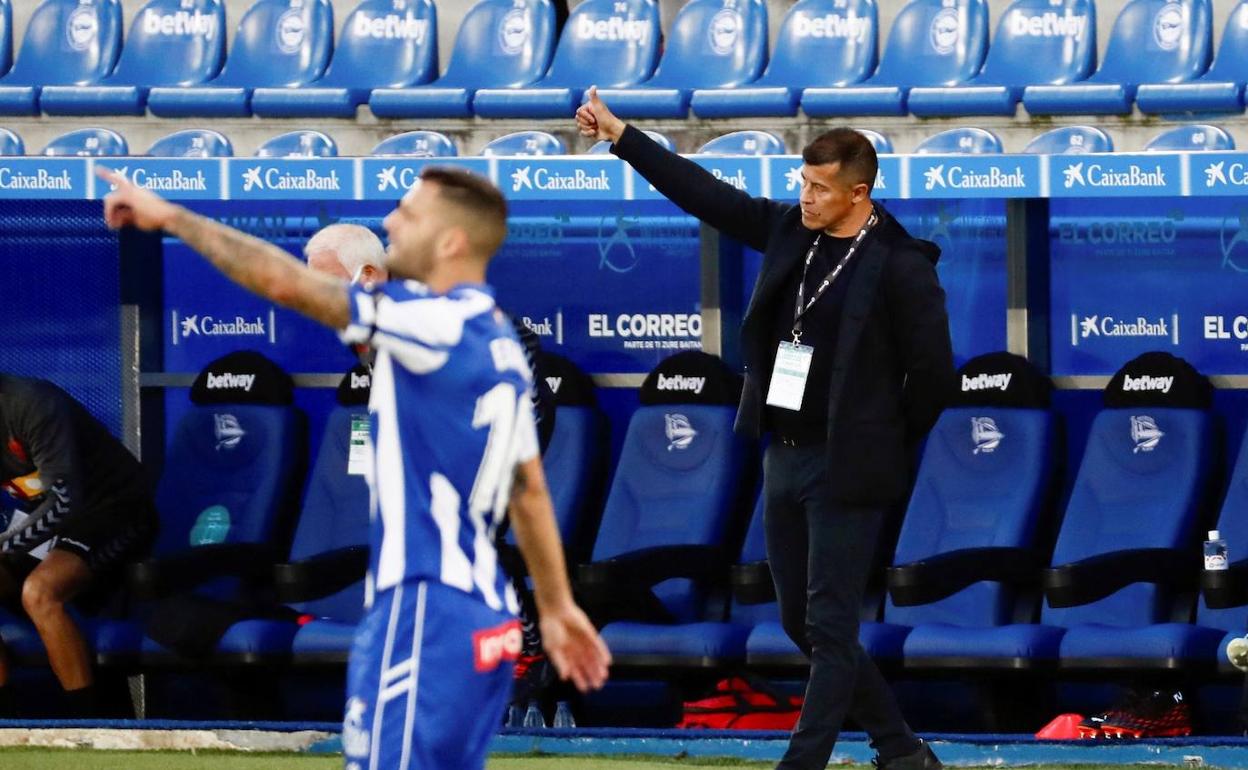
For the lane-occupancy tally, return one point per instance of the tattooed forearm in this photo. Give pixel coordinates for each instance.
(264, 268)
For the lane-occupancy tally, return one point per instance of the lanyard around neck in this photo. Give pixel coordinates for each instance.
(804, 306)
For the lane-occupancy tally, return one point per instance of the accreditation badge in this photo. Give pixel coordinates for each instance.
(788, 378)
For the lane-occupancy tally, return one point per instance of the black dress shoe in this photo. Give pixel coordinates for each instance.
(922, 758)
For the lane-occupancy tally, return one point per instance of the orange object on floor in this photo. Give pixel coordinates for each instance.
(1064, 727)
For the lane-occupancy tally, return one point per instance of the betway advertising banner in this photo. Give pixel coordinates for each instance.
(1114, 288)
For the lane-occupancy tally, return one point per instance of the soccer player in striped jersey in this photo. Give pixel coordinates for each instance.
(454, 449)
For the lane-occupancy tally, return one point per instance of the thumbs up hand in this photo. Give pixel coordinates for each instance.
(595, 121)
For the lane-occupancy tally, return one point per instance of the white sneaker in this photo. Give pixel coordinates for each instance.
(1237, 653)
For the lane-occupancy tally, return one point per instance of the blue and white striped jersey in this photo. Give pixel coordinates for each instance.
(451, 419)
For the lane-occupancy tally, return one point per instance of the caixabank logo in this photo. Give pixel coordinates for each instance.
(745, 174)
(186, 179)
(1107, 176)
(292, 179)
(561, 179)
(43, 178)
(785, 173)
(1219, 173)
(965, 176)
(1091, 328)
(389, 178)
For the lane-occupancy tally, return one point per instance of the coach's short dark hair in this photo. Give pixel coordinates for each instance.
(851, 149)
(478, 197)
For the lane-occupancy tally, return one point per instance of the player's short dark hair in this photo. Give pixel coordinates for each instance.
(851, 149)
(477, 196)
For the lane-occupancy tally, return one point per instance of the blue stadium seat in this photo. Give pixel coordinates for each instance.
(843, 36)
(667, 528)
(298, 144)
(417, 144)
(1070, 140)
(968, 141)
(229, 518)
(192, 143)
(882, 144)
(1037, 42)
(1153, 41)
(500, 44)
(1128, 534)
(171, 43)
(526, 143)
(383, 45)
(278, 43)
(1223, 613)
(932, 43)
(6, 36)
(1221, 89)
(88, 143)
(1194, 138)
(745, 143)
(712, 44)
(67, 42)
(11, 143)
(604, 147)
(611, 43)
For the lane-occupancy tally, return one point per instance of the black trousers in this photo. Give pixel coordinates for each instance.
(820, 553)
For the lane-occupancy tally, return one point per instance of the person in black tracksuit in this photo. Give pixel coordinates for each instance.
(83, 508)
(875, 340)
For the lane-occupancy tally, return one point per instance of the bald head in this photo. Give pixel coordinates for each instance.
(350, 252)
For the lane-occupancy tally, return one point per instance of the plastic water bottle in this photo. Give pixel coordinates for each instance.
(515, 716)
(1215, 551)
(533, 717)
(563, 717)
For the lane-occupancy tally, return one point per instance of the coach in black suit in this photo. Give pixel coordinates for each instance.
(847, 364)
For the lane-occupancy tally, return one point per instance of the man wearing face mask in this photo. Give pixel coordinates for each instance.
(848, 363)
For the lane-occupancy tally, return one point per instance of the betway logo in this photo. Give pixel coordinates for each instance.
(681, 382)
(960, 179)
(833, 25)
(736, 179)
(187, 23)
(525, 178)
(1049, 24)
(361, 381)
(492, 646)
(1146, 383)
(175, 181)
(40, 180)
(986, 382)
(390, 27)
(612, 28)
(1098, 176)
(258, 177)
(227, 381)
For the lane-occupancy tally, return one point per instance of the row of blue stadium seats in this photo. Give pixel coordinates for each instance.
(984, 575)
(206, 143)
(509, 61)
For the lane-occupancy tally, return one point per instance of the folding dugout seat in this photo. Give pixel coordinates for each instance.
(384, 44)
(1221, 89)
(1222, 612)
(278, 43)
(745, 143)
(87, 143)
(417, 144)
(525, 143)
(1038, 42)
(6, 36)
(1127, 541)
(226, 497)
(323, 581)
(192, 143)
(1153, 41)
(171, 43)
(672, 515)
(1070, 140)
(500, 44)
(11, 143)
(842, 35)
(610, 43)
(67, 42)
(968, 141)
(712, 44)
(1194, 138)
(298, 144)
(882, 144)
(931, 44)
(604, 147)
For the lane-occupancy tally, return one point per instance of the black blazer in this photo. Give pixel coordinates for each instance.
(892, 371)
